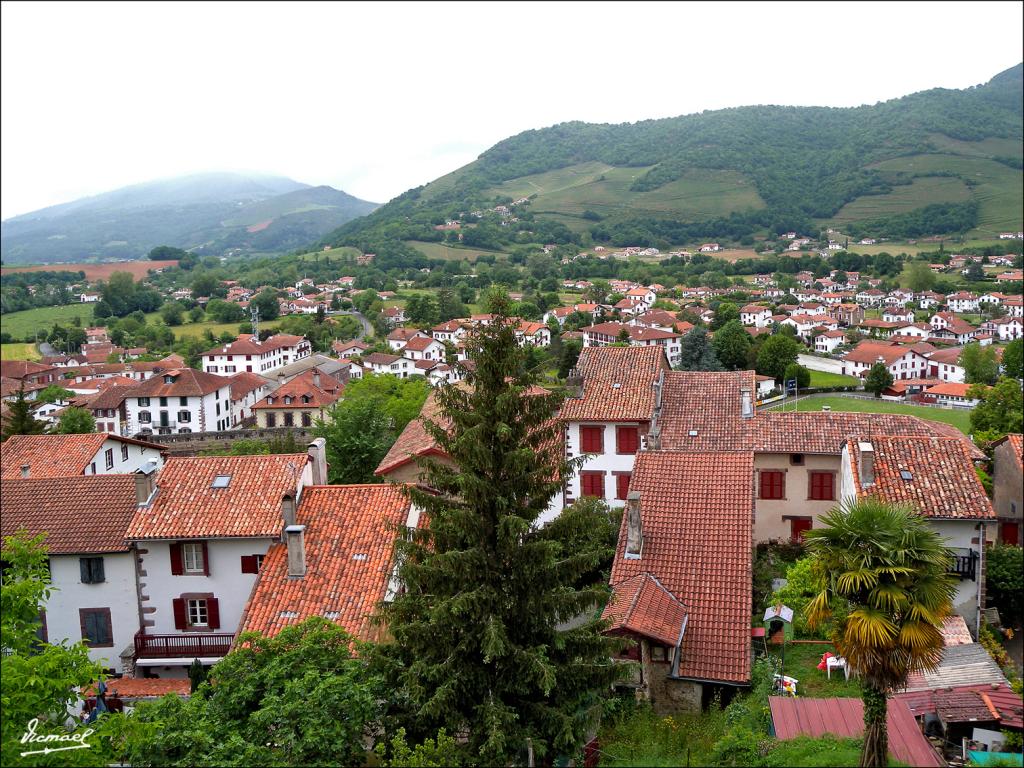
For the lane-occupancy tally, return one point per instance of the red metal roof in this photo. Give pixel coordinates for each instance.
(1008, 704)
(795, 716)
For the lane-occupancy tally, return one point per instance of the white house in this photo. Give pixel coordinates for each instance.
(92, 568)
(423, 348)
(962, 301)
(898, 316)
(902, 363)
(531, 334)
(378, 362)
(944, 365)
(96, 453)
(603, 334)
(201, 541)
(826, 341)
(756, 315)
(249, 354)
(1004, 328)
(178, 401)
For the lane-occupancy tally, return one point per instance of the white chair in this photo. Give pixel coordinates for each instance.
(837, 662)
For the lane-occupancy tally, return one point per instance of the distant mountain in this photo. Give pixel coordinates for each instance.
(935, 162)
(209, 213)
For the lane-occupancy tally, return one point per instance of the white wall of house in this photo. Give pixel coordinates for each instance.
(122, 459)
(963, 535)
(117, 593)
(207, 413)
(608, 461)
(772, 516)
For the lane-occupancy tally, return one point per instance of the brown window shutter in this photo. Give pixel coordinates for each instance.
(249, 564)
(177, 567)
(180, 619)
(206, 560)
(213, 612)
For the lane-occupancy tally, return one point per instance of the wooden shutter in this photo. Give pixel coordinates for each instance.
(772, 484)
(249, 564)
(98, 574)
(591, 439)
(105, 632)
(177, 566)
(627, 439)
(206, 560)
(89, 627)
(621, 486)
(84, 570)
(213, 613)
(593, 484)
(180, 619)
(797, 528)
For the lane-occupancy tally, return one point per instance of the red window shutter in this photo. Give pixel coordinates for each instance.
(593, 484)
(177, 566)
(213, 612)
(627, 439)
(206, 560)
(249, 564)
(180, 619)
(772, 484)
(591, 439)
(621, 486)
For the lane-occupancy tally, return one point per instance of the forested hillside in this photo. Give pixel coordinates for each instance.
(733, 172)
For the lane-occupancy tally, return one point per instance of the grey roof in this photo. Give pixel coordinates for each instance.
(961, 665)
(328, 365)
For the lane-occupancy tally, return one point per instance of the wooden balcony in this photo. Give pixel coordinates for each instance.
(965, 563)
(182, 646)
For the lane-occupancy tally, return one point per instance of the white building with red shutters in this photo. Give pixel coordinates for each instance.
(251, 355)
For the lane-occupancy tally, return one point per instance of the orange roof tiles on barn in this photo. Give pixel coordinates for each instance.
(617, 384)
(188, 507)
(697, 511)
(942, 482)
(79, 514)
(56, 455)
(348, 541)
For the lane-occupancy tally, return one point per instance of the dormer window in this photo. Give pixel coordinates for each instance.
(287, 399)
(168, 379)
(270, 400)
(305, 398)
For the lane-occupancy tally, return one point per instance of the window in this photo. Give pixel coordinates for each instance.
(229, 369)
(167, 380)
(287, 399)
(144, 402)
(163, 402)
(622, 485)
(97, 631)
(627, 439)
(184, 416)
(592, 439)
(289, 420)
(592, 484)
(307, 420)
(91, 570)
(108, 458)
(221, 481)
(821, 486)
(198, 615)
(796, 459)
(271, 420)
(251, 563)
(193, 557)
(124, 449)
(182, 401)
(772, 484)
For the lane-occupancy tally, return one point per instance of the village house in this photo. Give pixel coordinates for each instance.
(944, 365)
(201, 541)
(94, 453)
(298, 402)
(1008, 487)
(902, 363)
(531, 334)
(379, 362)
(1004, 328)
(950, 395)
(346, 349)
(847, 314)
(247, 353)
(399, 337)
(756, 315)
(107, 407)
(898, 316)
(246, 390)
(946, 325)
(962, 301)
(179, 401)
(826, 342)
(604, 334)
(872, 297)
(806, 325)
(450, 330)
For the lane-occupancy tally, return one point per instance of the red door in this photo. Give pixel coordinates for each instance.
(1009, 533)
(797, 528)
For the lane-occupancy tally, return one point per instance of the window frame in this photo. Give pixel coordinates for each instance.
(108, 458)
(591, 430)
(124, 449)
(818, 474)
(198, 562)
(83, 613)
(592, 476)
(628, 430)
(93, 568)
(202, 610)
(762, 474)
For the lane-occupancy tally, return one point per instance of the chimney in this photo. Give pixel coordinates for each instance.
(295, 539)
(288, 510)
(867, 463)
(24, 470)
(145, 482)
(574, 383)
(317, 452)
(658, 388)
(316, 378)
(634, 532)
(746, 404)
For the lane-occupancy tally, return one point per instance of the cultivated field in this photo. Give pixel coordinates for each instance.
(919, 193)
(102, 271)
(451, 252)
(959, 418)
(29, 321)
(19, 352)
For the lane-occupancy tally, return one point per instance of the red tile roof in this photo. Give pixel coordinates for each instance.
(144, 687)
(323, 396)
(187, 507)
(56, 455)
(709, 403)
(697, 511)
(643, 606)
(1016, 442)
(420, 343)
(1008, 704)
(633, 369)
(244, 345)
(185, 382)
(802, 716)
(79, 514)
(636, 332)
(380, 358)
(943, 483)
(245, 382)
(949, 389)
(870, 351)
(348, 543)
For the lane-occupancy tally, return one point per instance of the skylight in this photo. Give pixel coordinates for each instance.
(221, 481)
(906, 475)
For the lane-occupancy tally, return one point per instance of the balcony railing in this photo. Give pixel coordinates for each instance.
(965, 564)
(181, 646)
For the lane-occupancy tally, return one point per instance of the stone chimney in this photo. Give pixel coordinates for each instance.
(288, 510)
(746, 404)
(145, 482)
(634, 531)
(866, 462)
(316, 378)
(574, 385)
(317, 452)
(24, 470)
(295, 538)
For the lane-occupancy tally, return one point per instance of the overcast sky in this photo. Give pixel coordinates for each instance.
(376, 98)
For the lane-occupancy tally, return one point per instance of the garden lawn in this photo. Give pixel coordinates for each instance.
(23, 324)
(961, 419)
(802, 663)
(18, 351)
(825, 379)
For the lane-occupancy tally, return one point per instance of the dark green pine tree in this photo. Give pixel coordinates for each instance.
(20, 421)
(476, 645)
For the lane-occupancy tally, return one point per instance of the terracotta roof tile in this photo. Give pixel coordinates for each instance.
(80, 514)
(55, 455)
(322, 396)
(348, 543)
(633, 369)
(697, 511)
(144, 687)
(245, 382)
(185, 382)
(187, 507)
(708, 403)
(642, 605)
(1008, 704)
(1016, 442)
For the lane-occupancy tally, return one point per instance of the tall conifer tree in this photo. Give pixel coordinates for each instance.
(477, 646)
(20, 420)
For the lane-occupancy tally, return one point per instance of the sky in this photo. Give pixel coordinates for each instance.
(376, 98)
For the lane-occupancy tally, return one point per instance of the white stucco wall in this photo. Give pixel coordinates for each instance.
(116, 592)
(137, 456)
(608, 462)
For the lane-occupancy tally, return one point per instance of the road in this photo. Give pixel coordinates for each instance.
(367, 328)
(825, 364)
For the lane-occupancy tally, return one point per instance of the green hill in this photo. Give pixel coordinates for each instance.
(936, 162)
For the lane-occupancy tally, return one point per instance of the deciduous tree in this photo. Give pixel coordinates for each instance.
(878, 379)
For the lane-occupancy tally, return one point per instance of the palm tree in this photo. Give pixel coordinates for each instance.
(885, 565)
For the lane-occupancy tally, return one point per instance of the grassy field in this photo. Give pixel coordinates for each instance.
(194, 330)
(959, 419)
(999, 190)
(19, 352)
(824, 379)
(21, 324)
(568, 192)
(802, 663)
(920, 192)
(451, 252)
(101, 271)
(334, 253)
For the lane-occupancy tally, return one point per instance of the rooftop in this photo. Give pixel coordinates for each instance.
(56, 455)
(617, 384)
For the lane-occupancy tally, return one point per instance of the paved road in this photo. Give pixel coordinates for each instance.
(46, 350)
(826, 364)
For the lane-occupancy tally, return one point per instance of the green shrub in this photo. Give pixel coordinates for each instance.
(1005, 580)
(802, 585)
